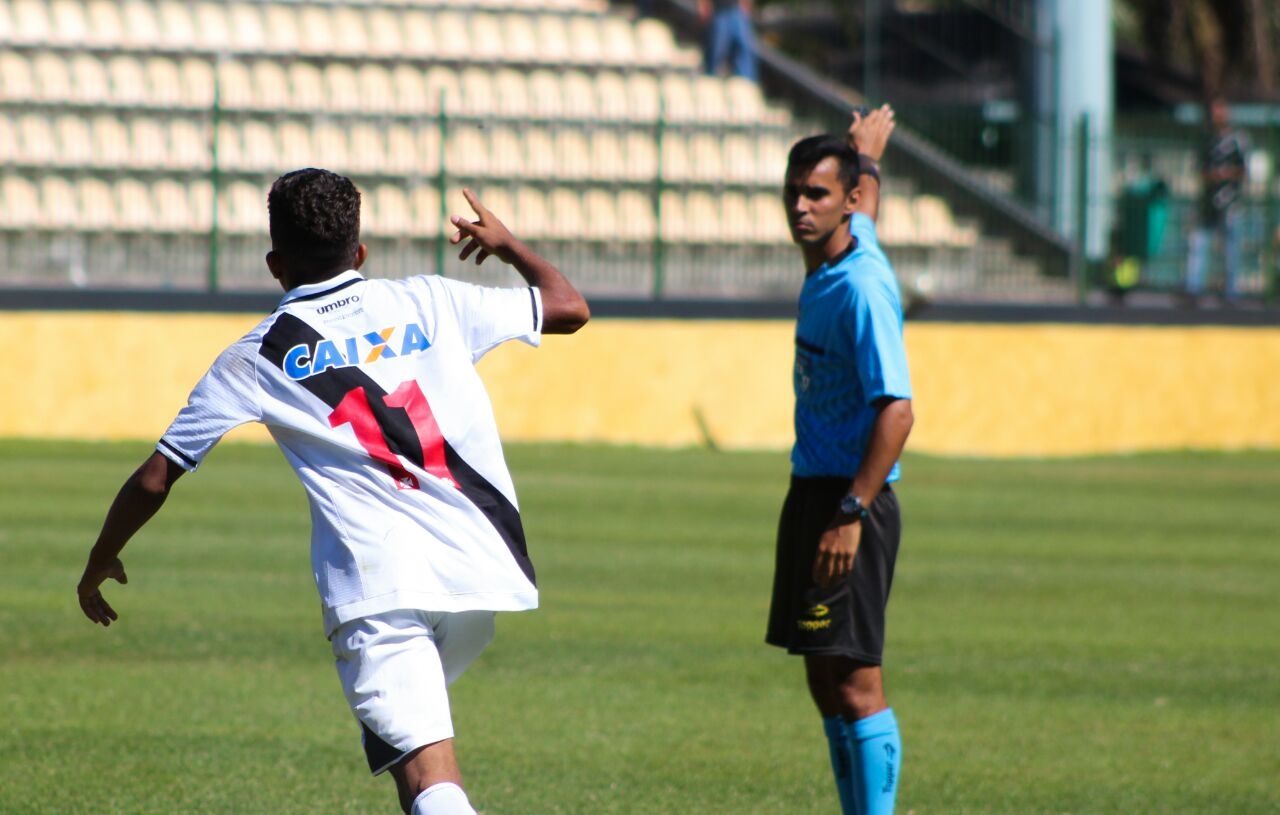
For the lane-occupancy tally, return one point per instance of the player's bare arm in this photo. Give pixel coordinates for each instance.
(138, 500)
(869, 136)
(839, 543)
(565, 310)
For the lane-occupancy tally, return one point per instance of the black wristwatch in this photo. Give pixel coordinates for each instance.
(851, 507)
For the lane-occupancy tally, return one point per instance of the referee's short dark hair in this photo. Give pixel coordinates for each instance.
(806, 153)
(314, 219)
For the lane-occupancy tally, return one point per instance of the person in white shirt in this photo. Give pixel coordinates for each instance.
(369, 388)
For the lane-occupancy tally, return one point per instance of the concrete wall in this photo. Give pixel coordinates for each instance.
(986, 390)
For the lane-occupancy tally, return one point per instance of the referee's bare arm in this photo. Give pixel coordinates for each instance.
(869, 136)
(141, 497)
(564, 309)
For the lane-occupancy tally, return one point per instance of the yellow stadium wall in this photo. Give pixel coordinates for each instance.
(981, 390)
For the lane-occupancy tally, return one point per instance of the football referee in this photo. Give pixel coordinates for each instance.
(840, 527)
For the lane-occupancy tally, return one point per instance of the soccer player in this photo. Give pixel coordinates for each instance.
(839, 530)
(370, 390)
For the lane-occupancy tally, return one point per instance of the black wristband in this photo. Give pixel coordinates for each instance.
(867, 166)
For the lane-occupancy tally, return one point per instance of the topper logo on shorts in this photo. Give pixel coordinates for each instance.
(302, 361)
(819, 618)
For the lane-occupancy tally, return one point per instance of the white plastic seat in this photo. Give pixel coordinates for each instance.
(20, 202)
(654, 43)
(895, 225)
(133, 206)
(486, 37)
(409, 94)
(424, 201)
(552, 39)
(511, 94)
(242, 209)
(769, 218)
(35, 140)
(164, 82)
(9, 139)
(531, 211)
(578, 95)
(235, 85)
(15, 76)
(213, 27)
(188, 145)
(611, 96)
(53, 79)
(350, 36)
(148, 143)
(709, 103)
(89, 83)
(672, 225)
(31, 22)
(676, 164)
(171, 207)
(281, 21)
(106, 23)
(99, 209)
(584, 42)
(607, 162)
(600, 222)
(59, 207)
(197, 82)
(270, 85)
(417, 33)
(771, 159)
(295, 146)
(141, 25)
(643, 98)
(329, 145)
(385, 32)
(177, 29)
(315, 30)
(258, 146)
(703, 214)
(452, 39)
(374, 91)
(230, 149)
(738, 155)
(735, 218)
(248, 29)
(68, 22)
(200, 200)
(635, 216)
(368, 148)
(306, 87)
(617, 41)
(545, 100)
(640, 156)
(540, 153)
(744, 100)
(477, 92)
(519, 38)
(467, 151)
(937, 225)
(342, 88)
(402, 150)
(706, 159)
(128, 81)
(506, 152)
(427, 154)
(678, 103)
(392, 211)
(441, 86)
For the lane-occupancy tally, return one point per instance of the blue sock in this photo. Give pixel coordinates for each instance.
(877, 759)
(842, 765)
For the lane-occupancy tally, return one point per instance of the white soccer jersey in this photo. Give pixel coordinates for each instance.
(370, 389)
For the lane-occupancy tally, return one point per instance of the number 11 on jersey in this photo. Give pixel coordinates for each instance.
(373, 431)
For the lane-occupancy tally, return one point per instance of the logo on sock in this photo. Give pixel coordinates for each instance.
(890, 768)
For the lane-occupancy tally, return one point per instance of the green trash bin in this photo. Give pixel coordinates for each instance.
(1144, 213)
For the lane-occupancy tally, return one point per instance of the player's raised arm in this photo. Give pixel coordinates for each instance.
(139, 499)
(868, 136)
(564, 308)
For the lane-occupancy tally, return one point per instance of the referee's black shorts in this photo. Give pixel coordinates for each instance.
(846, 619)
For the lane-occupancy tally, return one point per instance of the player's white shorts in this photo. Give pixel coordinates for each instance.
(395, 668)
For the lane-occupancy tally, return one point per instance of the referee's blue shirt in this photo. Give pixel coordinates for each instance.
(849, 353)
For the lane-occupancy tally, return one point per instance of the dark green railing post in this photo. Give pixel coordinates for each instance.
(659, 247)
(1271, 230)
(1082, 208)
(442, 233)
(215, 177)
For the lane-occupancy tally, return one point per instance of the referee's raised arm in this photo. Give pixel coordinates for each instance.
(564, 309)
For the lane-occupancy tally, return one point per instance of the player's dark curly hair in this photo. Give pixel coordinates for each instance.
(806, 153)
(314, 221)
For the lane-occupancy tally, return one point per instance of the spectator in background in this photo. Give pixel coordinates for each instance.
(729, 37)
(1222, 176)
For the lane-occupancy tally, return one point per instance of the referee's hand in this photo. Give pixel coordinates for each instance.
(837, 549)
(92, 603)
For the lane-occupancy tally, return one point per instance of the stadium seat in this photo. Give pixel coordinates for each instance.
(709, 103)
(442, 87)
(511, 94)
(59, 208)
(519, 37)
(744, 101)
(584, 42)
(635, 216)
(600, 215)
(545, 99)
(141, 26)
(342, 89)
(74, 141)
(171, 207)
(672, 225)
(530, 212)
(9, 138)
(133, 202)
(738, 152)
(69, 24)
(429, 143)
(936, 226)
(281, 23)
(552, 39)
(676, 164)
(640, 156)
(706, 158)
(35, 140)
(295, 145)
(89, 83)
(384, 27)
(188, 145)
(374, 88)
(164, 82)
(409, 94)
(392, 213)
(452, 39)
(579, 96)
(566, 220)
(200, 201)
(678, 103)
(417, 33)
(769, 219)
(197, 82)
(771, 158)
(506, 153)
(242, 209)
(368, 148)
(329, 147)
(270, 85)
(148, 142)
(315, 30)
(306, 87)
(896, 223)
(235, 85)
(643, 97)
(106, 24)
(258, 146)
(177, 29)
(606, 155)
(128, 81)
(611, 96)
(402, 150)
(15, 74)
(467, 151)
(110, 141)
(247, 28)
(350, 36)
(573, 154)
(703, 214)
(31, 22)
(213, 27)
(427, 218)
(53, 79)
(540, 153)
(617, 41)
(478, 98)
(20, 202)
(486, 38)
(654, 43)
(736, 223)
(96, 206)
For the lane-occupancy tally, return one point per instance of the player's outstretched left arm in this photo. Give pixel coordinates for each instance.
(138, 500)
(564, 309)
(869, 136)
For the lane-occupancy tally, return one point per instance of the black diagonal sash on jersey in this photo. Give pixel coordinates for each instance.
(333, 385)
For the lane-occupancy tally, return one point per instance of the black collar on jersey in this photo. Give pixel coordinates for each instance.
(347, 278)
(838, 259)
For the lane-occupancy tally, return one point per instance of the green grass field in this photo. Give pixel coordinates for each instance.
(1091, 636)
